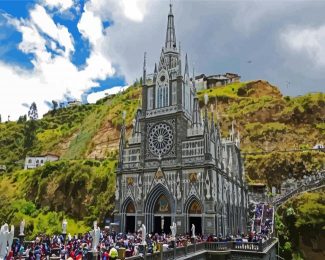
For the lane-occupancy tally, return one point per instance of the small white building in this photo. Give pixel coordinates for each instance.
(32, 162)
(73, 103)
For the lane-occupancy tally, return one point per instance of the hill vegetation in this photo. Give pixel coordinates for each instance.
(81, 185)
(301, 226)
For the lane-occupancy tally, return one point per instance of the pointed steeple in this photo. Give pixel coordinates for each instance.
(238, 139)
(206, 126)
(155, 71)
(136, 126)
(212, 125)
(186, 72)
(179, 60)
(170, 43)
(162, 64)
(144, 69)
(232, 133)
(196, 117)
(122, 140)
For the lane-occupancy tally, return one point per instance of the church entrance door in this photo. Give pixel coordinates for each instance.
(195, 216)
(162, 224)
(130, 224)
(197, 221)
(130, 217)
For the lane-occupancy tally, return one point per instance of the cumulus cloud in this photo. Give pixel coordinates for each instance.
(90, 26)
(219, 36)
(62, 5)
(53, 74)
(57, 32)
(93, 97)
(306, 42)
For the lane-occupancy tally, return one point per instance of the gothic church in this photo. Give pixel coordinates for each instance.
(176, 167)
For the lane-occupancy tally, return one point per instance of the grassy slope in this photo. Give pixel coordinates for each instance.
(267, 122)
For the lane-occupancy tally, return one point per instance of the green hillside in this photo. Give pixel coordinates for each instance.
(81, 185)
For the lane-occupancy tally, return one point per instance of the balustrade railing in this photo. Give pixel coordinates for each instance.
(189, 249)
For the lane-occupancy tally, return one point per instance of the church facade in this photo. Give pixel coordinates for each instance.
(175, 167)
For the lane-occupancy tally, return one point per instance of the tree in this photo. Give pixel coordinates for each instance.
(0, 118)
(55, 105)
(30, 127)
(32, 113)
(22, 119)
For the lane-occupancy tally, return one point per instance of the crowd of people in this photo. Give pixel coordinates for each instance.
(80, 247)
(262, 224)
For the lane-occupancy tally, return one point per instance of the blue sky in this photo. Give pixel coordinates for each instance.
(51, 49)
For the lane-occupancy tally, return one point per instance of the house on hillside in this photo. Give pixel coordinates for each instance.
(74, 103)
(32, 162)
(204, 82)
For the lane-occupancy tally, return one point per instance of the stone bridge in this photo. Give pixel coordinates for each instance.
(315, 182)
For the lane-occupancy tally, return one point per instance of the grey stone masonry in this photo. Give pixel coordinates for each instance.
(176, 167)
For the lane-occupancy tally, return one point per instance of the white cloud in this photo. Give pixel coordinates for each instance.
(93, 97)
(62, 5)
(308, 42)
(90, 26)
(53, 75)
(134, 9)
(45, 23)
(212, 32)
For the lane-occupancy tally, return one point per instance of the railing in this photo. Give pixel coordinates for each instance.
(318, 183)
(217, 246)
(203, 247)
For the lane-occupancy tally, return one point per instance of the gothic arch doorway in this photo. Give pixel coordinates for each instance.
(159, 209)
(130, 212)
(194, 211)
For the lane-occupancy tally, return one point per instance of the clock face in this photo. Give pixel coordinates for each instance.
(160, 139)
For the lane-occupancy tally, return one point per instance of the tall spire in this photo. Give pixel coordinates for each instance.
(186, 73)
(170, 43)
(144, 69)
(196, 117)
(136, 125)
(122, 140)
